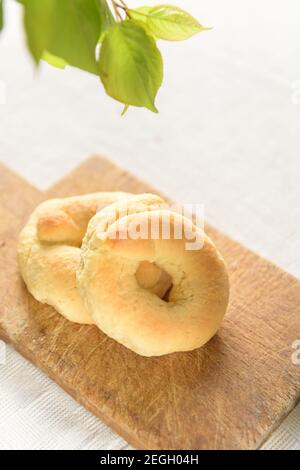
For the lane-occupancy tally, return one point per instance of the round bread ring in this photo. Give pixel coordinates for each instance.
(135, 317)
(149, 275)
(49, 250)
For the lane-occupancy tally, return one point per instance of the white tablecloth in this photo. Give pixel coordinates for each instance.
(228, 136)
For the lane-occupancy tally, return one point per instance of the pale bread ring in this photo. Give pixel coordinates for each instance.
(149, 276)
(135, 317)
(49, 250)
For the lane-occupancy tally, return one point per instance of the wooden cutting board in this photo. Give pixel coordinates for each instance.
(228, 395)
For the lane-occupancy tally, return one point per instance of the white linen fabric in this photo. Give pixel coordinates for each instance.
(228, 136)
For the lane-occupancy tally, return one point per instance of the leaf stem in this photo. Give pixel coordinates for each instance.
(117, 13)
(123, 6)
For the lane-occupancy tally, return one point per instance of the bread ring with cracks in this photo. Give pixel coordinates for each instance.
(49, 250)
(128, 312)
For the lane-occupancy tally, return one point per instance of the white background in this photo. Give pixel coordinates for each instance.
(227, 135)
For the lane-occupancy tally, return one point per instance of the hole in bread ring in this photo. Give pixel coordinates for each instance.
(135, 317)
(49, 250)
(151, 277)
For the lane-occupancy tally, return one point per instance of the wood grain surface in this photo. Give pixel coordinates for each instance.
(228, 395)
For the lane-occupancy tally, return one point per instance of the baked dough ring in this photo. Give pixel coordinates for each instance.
(132, 315)
(148, 275)
(49, 250)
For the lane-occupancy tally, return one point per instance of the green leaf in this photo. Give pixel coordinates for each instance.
(130, 65)
(139, 16)
(54, 60)
(37, 22)
(125, 109)
(77, 30)
(68, 29)
(140, 13)
(106, 17)
(172, 23)
(1, 15)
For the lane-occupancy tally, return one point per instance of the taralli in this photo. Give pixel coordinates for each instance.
(148, 275)
(128, 312)
(49, 250)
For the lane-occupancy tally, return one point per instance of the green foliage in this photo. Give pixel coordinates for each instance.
(140, 14)
(168, 22)
(37, 22)
(71, 32)
(131, 67)
(68, 29)
(106, 17)
(54, 60)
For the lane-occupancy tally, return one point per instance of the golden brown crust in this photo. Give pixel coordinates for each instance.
(49, 250)
(122, 280)
(135, 317)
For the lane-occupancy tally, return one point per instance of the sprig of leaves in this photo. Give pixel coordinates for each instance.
(106, 38)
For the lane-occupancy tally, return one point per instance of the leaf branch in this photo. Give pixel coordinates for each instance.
(123, 7)
(108, 39)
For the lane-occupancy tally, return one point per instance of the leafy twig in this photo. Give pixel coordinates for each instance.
(108, 39)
